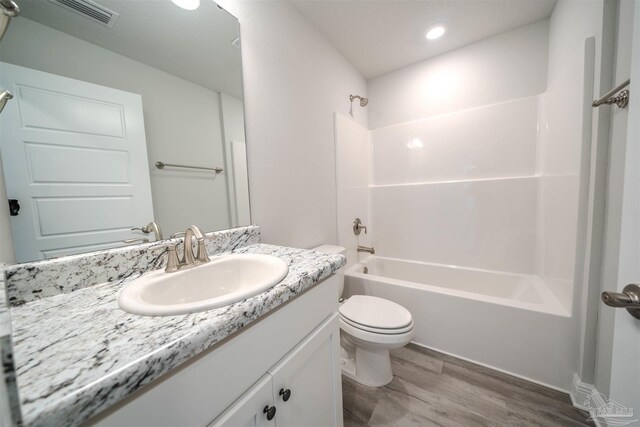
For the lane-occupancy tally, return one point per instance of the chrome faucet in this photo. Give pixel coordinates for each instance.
(189, 259)
(371, 250)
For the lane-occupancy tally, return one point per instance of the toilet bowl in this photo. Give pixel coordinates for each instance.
(369, 328)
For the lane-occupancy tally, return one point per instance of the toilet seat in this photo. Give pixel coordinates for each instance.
(375, 339)
(376, 315)
(407, 328)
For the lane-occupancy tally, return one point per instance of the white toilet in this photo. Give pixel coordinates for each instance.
(370, 327)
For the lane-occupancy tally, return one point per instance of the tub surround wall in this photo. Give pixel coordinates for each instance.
(563, 174)
(483, 224)
(466, 197)
(353, 152)
(427, 151)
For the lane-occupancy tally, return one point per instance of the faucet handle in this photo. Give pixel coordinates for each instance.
(173, 263)
(202, 256)
(358, 227)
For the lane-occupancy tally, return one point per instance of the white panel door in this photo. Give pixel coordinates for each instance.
(249, 410)
(307, 386)
(74, 156)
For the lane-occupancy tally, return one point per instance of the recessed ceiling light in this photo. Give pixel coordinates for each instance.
(187, 4)
(415, 143)
(434, 32)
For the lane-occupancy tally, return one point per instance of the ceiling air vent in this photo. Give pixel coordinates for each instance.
(90, 10)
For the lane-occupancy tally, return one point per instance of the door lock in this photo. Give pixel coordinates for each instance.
(14, 207)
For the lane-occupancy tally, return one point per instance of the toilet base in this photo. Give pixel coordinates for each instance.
(367, 366)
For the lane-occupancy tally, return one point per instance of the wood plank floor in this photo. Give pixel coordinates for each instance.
(433, 389)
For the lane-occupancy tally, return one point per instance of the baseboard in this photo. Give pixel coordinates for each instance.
(580, 393)
(504, 371)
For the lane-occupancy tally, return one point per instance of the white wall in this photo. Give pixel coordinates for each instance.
(507, 66)
(232, 117)
(294, 81)
(182, 120)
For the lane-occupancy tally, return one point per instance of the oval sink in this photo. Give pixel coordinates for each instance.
(223, 280)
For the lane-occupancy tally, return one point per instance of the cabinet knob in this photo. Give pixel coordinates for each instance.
(270, 411)
(286, 394)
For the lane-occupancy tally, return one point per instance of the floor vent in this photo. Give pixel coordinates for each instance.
(91, 10)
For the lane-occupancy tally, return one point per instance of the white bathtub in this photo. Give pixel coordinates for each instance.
(510, 322)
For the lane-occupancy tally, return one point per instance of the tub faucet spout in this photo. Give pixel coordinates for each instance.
(371, 250)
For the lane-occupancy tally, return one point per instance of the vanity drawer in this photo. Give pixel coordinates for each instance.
(197, 392)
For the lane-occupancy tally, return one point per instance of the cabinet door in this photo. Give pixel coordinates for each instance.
(309, 379)
(249, 409)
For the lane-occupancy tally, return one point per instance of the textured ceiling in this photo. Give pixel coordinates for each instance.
(379, 36)
(193, 45)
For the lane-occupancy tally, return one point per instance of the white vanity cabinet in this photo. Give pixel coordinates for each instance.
(301, 390)
(295, 348)
(252, 408)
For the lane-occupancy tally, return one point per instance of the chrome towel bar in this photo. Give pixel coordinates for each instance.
(162, 165)
(621, 100)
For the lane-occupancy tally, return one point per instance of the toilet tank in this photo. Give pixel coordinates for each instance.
(330, 249)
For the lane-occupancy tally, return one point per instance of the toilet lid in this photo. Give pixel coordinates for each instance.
(374, 312)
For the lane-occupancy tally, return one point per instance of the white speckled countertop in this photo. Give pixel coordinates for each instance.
(77, 353)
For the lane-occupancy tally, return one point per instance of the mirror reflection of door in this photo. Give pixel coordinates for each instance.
(185, 69)
(74, 156)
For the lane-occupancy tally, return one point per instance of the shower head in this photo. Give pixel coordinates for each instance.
(363, 101)
(5, 95)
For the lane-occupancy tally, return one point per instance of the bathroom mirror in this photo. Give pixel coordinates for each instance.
(124, 113)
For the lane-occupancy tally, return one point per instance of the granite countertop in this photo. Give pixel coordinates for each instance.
(77, 353)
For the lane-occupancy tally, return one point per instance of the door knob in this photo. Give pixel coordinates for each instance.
(629, 298)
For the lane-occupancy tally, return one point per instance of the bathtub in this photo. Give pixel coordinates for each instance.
(510, 322)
